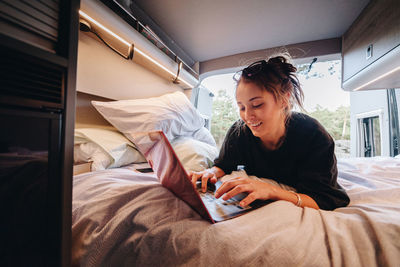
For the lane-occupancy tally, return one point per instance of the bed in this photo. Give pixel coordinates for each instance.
(125, 218)
(122, 217)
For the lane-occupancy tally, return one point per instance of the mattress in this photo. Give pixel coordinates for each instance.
(125, 218)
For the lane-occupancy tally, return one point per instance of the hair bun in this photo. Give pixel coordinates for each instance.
(282, 63)
(277, 60)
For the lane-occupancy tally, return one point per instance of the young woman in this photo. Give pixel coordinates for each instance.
(274, 142)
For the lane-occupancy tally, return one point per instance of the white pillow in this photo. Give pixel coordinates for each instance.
(194, 155)
(106, 148)
(91, 152)
(171, 113)
(204, 135)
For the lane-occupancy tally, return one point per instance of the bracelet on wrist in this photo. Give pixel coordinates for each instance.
(299, 202)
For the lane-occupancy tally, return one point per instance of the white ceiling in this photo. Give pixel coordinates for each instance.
(209, 29)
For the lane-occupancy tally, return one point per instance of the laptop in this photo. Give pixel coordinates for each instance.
(163, 160)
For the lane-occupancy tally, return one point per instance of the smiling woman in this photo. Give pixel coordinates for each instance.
(274, 142)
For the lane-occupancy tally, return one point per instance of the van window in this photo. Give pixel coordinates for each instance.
(224, 108)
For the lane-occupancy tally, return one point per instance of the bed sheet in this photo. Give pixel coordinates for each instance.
(124, 218)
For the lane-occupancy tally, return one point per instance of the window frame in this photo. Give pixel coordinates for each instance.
(360, 130)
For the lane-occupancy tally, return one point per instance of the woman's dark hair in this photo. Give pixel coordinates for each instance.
(278, 77)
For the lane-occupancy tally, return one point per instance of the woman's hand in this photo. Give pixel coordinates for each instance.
(209, 174)
(255, 189)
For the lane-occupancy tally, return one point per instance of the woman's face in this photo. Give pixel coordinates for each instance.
(260, 111)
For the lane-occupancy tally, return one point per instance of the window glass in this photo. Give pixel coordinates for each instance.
(224, 108)
(376, 128)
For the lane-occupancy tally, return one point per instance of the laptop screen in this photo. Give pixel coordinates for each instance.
(169, 170)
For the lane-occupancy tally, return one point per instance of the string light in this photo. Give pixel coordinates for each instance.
(86, 16)
(378, 78)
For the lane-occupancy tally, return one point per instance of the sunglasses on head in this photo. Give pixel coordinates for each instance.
(251, 71)
(256, 68)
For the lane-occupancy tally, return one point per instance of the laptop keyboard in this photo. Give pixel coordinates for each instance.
(223, 209)
(210, 198)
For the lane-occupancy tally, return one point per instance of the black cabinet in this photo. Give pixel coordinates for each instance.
(38, 50)
(30, 171)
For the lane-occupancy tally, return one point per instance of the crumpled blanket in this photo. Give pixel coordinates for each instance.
(125, 218)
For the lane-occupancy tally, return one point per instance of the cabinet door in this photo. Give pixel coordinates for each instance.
(30, 172)
(378, 27)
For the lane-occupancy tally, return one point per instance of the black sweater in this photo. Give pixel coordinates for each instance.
(305, 160)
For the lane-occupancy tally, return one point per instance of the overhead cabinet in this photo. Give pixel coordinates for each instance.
(371, 48)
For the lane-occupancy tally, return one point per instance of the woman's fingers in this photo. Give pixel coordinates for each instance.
(255, 190)
(204, 180)
(213, 179)
(228, 185)
(237, 190)
(194, 176)
(248, 200)
(204, 176)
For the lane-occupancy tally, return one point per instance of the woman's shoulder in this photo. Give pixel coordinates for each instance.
(303, 119)
(307, 127)
(304, 122)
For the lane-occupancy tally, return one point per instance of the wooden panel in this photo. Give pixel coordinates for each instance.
(300, 52)
(82, 168)
(33, 17)
(49, 8)
(31, 21)
(379, 25)
(86, 115)
(52, 4)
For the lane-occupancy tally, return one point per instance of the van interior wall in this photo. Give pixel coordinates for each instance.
(104, 73)
(86, 116)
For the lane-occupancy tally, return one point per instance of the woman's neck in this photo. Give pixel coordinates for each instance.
(274, 140)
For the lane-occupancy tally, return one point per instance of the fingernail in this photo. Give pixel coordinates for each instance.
(216, 195)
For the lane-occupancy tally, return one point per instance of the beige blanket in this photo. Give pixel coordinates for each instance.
(122, 218)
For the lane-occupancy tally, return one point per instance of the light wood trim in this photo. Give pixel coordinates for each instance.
(82, 168)
(86, 115)
(297, 51)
